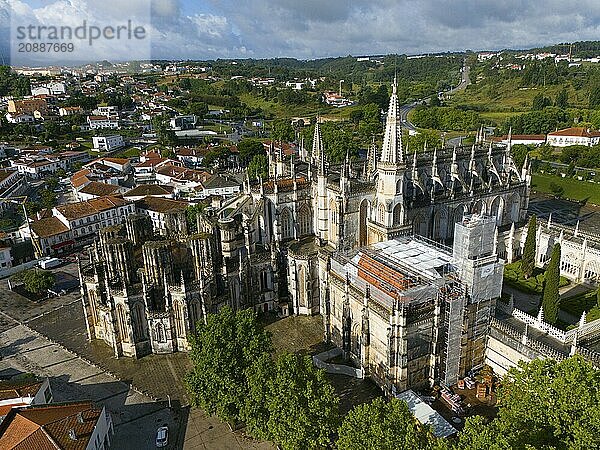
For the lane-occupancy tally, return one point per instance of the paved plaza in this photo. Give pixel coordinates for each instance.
(48, 338)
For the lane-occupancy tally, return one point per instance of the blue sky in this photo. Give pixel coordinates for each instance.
(207, 29)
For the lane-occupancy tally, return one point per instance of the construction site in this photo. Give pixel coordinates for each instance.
(412, 313)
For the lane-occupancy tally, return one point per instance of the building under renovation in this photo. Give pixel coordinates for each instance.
(411, 312)
(144, 292)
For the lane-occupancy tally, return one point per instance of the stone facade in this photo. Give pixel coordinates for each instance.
(143, 293)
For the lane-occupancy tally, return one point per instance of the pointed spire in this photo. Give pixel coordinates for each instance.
(540, 316)
(509, 145)
(317, 146)
(391, 152)
(371, 159)
(549, 220)
(525, 168)
(576, 232)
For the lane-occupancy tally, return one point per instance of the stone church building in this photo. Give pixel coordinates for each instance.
(287, 244)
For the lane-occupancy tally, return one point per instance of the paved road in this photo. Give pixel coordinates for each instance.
(404, 110)
(464, 81)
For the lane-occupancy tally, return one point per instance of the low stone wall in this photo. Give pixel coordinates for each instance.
(338, 369)
(12, 270)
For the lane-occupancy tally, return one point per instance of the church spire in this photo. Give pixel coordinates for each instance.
(317, 145)
(371, 159)
(391, 152)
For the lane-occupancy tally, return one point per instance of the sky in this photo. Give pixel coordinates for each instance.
(307, 29)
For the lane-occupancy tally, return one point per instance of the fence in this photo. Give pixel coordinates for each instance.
(586, 329)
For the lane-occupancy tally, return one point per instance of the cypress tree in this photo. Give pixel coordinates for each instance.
(550, 296)
(528, 259)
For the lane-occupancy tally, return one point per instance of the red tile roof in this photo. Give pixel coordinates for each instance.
(576, 132)
(48, 427)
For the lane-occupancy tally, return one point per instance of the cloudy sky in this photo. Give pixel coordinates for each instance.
(206, 29)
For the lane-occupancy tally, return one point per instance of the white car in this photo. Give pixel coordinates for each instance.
(162, 437)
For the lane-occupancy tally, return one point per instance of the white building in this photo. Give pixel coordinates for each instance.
(107, 143)
(51, 88)
(573, 136)
(102, 122)
(74, 425)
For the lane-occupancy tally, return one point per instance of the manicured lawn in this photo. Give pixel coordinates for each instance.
(583, 302)
(296, 334)
(573, 189)
(532, 285)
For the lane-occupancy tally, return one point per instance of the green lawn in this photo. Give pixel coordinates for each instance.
(573, 189)
(532, 285)
(577, 304)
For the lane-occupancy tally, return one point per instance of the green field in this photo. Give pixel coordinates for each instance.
(573, 189)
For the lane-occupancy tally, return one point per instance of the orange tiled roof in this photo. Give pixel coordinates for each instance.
(48, 426)
(383, 277)
(49, 226)
(78, 210)
(100, 189)
(576, 132)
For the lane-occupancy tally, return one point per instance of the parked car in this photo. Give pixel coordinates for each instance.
(162, 437)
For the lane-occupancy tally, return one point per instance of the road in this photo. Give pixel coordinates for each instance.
(405, 109)
(464, 81)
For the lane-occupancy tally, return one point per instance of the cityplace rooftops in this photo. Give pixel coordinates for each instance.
(406, 269)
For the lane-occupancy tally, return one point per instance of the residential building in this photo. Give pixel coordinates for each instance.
(67, 426)
(102, 122)
(179, 123)
(28, 106)
(168, 215)
(219, 185)
(50, 88)
(573, 136)
(524, 139)
(69, 110)
(6, 259)
(23, 392)
(76, 224)
(107, 143)
(97, 189)
(152, 190)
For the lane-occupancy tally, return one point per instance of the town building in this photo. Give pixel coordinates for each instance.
(28, 106)
(107, 143)
(573, 136)
(78, 425)
(102, 122)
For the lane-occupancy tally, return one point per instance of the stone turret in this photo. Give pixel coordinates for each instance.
(139, 228)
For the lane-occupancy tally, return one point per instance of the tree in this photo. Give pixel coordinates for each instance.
(562, 99)
(192, 213)
(528, 259)
(36, 281)
(256, 412)
(543, 404)
(282, 131)
(540, 102)
(302, 405)
(550, 295)
(221, 352)
(249, 148)
(557, 190)
(258, 167)
(383, 425)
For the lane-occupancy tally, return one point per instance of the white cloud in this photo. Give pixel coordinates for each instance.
(315, 28)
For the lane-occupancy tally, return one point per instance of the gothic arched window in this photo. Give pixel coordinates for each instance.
(287, 231)
(304, 220)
